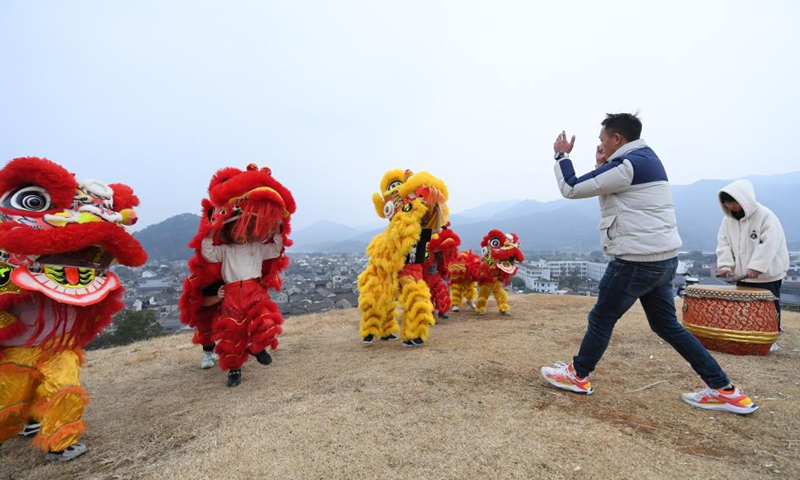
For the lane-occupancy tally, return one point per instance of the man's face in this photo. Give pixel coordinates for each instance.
(611, 143)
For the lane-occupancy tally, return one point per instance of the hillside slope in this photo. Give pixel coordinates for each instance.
(470, 404)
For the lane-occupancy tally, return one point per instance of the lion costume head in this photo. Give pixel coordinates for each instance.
(58, 238)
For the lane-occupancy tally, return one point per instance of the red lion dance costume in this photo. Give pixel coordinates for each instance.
(464, 272)
(416, 207)
(58, 236)
(247, 204)
(195, 311)
(442, 251)
(500, 252)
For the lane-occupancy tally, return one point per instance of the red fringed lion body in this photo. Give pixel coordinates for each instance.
(253, 202)
(442, 251)
(500, 254)
(58, 237)
(464, 272)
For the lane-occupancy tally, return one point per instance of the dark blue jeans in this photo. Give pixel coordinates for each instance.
(651, 283)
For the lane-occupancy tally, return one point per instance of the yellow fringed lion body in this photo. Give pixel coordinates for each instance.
(415, 205)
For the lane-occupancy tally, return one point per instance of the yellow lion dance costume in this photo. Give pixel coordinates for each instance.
(416, 207)
(58, 237)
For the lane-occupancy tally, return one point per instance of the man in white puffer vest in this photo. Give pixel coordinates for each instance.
(638, 228)
(751, 244)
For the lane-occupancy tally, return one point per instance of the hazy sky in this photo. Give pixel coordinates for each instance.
(160, 94)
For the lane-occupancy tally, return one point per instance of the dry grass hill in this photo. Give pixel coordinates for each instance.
(470, 404)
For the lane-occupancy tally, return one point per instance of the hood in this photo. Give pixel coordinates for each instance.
(742, 191)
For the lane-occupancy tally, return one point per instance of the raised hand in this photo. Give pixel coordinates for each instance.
(562, 145)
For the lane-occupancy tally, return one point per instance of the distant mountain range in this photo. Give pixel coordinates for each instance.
(168, 240)
(560, 225)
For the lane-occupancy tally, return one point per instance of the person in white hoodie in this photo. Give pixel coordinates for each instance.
(751, 245)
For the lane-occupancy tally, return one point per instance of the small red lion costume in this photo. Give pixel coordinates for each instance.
(247, 321)
(58, 236)
(500, 253)
(464, 273)
(442, 251)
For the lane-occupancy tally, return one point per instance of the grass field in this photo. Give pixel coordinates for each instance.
(468, 405)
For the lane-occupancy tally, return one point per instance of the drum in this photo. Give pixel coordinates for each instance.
(731, 319)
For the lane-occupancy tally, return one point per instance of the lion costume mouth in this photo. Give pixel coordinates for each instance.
(76, 278)
(505, 258)
(507, 266)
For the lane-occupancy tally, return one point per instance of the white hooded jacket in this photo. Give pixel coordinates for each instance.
(754, 242)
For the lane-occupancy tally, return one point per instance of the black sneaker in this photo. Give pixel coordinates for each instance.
(418, 342)
(506, 313)
(368, 339)
(234, 378)
(31, 429)
(389, 337)
(67, 454)
(443, 316)
(263, 357)
(408, 343)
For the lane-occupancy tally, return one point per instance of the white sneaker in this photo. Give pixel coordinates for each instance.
(717, 399)
(472, 305)
(562, 375)
(209, 360)
(67, 454)
(774, 347)
(31, 428)
(454, 309)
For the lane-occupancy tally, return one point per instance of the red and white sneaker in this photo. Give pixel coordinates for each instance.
(562, 375)
(718, 399)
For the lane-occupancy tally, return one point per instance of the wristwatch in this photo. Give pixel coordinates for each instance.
(560, 155)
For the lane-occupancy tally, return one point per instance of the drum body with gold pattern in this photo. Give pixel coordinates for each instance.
(731, 319)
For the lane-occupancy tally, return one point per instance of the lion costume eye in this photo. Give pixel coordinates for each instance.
(388, 210)
(30, 199)
(394, 185)
(494, 243)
